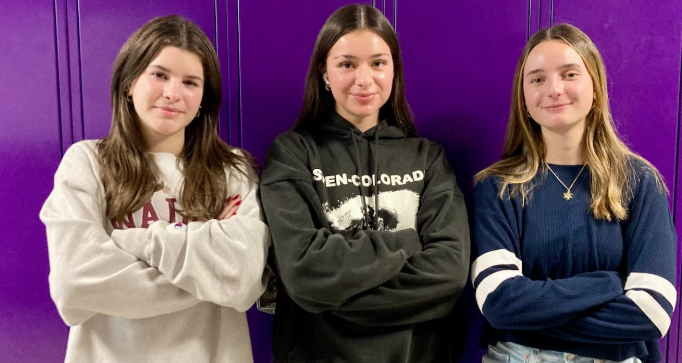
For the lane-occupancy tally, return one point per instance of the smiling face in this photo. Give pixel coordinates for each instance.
(167, 96)
(557, 87)
(359, 72)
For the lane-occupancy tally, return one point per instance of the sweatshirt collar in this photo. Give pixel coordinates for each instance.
(337, 125)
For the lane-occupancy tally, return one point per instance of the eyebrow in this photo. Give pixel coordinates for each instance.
(348, 56)
(169, 71)
(565, 66)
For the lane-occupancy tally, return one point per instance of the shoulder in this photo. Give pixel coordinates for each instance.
(644, 178)
(287, 145)
(487, 193)
(490, 184)
(80, 168)
(290, 138)
(432, 152)
(240, 169)
(80, 148)
(80, 155)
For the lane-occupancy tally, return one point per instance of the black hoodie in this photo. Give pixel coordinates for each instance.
(370, 241)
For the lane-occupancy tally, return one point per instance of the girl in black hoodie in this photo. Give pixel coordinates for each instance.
(369, 228)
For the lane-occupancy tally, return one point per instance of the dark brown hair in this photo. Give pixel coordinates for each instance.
(129, 173)
(318, 102)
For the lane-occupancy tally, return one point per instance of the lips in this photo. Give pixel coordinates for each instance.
(364, 97)
(170, 111)
(556, 107)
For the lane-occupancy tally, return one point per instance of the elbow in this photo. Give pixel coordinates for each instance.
(312, 295)
(310, 301)
(495, 320)
(459, 283)
(251, 290)
(492, 313)
(65, 296)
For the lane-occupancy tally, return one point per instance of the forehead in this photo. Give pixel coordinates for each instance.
(360, 42)
(178, 60)
(552, 54)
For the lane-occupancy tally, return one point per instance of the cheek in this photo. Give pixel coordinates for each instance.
(385, 81)
(146, 91)
(583, 91)
(533, 96)
(193, 98)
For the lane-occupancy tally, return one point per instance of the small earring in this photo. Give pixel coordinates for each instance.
(198, 112)
(326, 86)
(529, 116)
(129, 98)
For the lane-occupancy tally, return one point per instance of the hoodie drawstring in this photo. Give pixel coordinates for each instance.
(376, 180)
(357, 171)
(365, 210)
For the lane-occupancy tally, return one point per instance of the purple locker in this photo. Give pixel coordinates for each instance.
(459, 67)
(30, 329)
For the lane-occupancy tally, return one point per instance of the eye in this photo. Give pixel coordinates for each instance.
(379, 63)
(535, 80)
(191, 83)
(345, 65)
(159, 75)
(571, 75)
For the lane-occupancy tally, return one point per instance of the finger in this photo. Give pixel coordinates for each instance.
(228, 205)
(229, 213)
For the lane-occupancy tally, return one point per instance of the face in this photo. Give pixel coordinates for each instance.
(557, 88)
(359, 71)
(167, 95)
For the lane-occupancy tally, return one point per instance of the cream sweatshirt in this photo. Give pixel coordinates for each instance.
(151, 289)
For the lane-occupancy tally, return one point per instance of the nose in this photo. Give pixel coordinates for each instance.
(555, 87)
(171, 90)
(363, 76)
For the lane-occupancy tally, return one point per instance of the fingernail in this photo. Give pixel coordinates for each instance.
(238, 203)
(236, 196)
(234, 214)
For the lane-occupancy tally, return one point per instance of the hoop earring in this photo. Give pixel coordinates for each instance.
(129, 98)
(326, 86)
(198, 112)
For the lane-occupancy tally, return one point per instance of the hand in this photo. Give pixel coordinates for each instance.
(231, 206)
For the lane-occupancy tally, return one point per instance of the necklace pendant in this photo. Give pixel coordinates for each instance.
(568, 195)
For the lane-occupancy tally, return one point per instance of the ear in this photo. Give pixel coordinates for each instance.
(323, 71)
(129, 89)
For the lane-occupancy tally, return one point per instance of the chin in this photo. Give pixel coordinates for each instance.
(560, 126)
(365, 111)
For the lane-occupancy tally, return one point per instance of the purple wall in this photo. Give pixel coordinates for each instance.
(55, 69)
(29, 155)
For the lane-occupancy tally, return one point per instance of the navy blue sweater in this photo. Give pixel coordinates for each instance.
(551, 276)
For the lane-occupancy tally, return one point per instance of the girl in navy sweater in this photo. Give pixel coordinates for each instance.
(574, 242)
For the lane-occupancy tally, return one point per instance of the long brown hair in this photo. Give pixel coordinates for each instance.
(129, 173)
(610, 160)
(318, 102)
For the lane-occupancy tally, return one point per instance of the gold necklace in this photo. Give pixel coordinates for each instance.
(568, 195)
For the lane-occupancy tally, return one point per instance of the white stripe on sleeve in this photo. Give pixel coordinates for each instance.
(639, 280)
(493, 258)
(651, 309)
(490, 283)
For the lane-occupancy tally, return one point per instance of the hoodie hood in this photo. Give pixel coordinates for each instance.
(337, 127)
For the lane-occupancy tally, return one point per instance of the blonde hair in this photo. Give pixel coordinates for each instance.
(610, 160)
